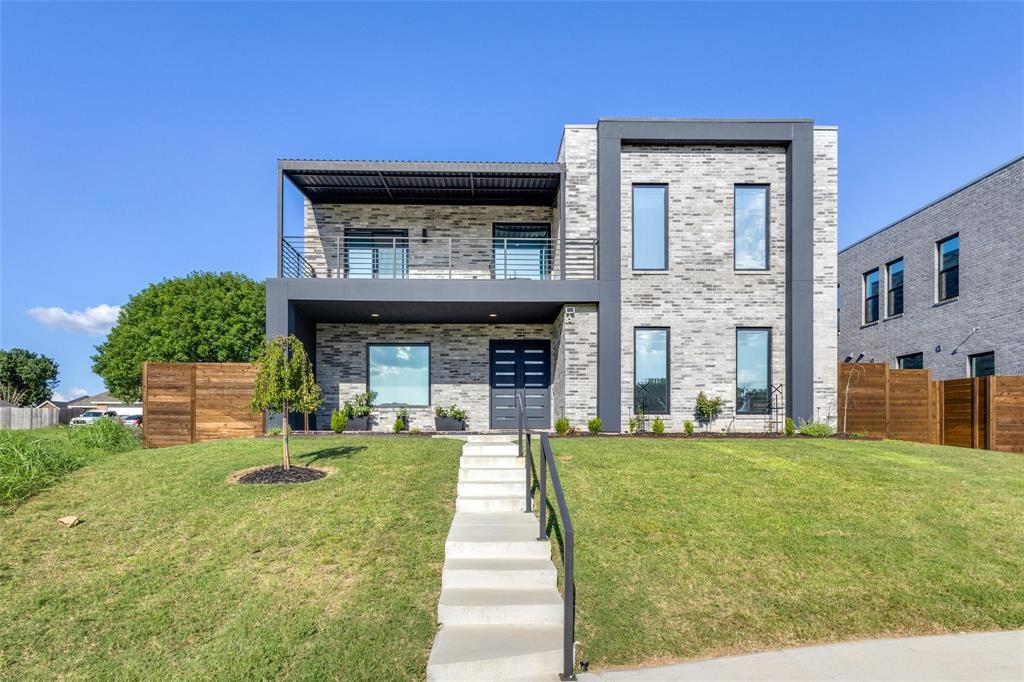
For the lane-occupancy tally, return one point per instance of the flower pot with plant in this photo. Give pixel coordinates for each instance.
(451, 418)
(358, 411)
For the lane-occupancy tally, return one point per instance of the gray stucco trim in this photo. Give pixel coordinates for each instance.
(797, 137)
(429, 290)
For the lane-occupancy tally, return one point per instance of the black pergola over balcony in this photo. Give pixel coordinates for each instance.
(415, 182)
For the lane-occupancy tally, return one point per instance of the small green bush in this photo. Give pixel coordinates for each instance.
(790, 426)
(857, 434)
(562, 426)
(339, 420)
(399, 425)
(595, 425)
(274, 431)
(658, 426)
(816, 429)
(106, 434)
(688, 427)
(451, 412)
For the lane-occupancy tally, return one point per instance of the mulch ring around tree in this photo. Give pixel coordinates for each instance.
(278, 474)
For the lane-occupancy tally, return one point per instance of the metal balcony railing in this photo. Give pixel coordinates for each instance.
(382, 256)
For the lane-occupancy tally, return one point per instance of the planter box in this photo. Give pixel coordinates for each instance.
(448, 424)
(358, 424)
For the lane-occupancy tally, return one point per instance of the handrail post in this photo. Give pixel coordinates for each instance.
(505, 275)
(543, 501)
(339, 269)
(569, 615)
(449, 257)
(529, 466)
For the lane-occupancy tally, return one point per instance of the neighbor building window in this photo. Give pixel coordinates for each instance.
(949, 268)
(983, 364)
(650, 227)
(871, 296)
(650, 371)
(911, 361)
(894, 288)
(750, 227)
(753, 371)
(399, 375)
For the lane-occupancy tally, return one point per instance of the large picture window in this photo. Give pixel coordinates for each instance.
(753, 370)
(894, 287)
(949, 267)
(750, 227)
(400, 375)
(871, 296)
(650, 227)
(650, 371)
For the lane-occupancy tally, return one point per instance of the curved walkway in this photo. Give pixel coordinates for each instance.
(974, 656)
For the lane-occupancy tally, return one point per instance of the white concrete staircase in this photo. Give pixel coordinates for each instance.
(500, 610)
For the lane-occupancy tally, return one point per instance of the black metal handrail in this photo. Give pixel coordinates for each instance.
(548, 466)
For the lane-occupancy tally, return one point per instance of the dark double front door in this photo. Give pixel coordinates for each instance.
(520, 366)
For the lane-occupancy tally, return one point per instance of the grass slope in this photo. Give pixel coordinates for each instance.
(689, 549)
(177, 575)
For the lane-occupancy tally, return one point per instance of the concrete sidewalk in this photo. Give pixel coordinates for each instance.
(975, 656)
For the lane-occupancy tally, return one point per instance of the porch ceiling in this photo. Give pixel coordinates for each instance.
(418, 312)
(401, 182)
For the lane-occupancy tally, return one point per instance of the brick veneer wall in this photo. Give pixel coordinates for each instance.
(826, 270)
(574, 374)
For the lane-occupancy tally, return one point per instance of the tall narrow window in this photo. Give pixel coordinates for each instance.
(894, 286)
(750, 227)
(871, 296)
(650, 370)
(911, 361)
(650, 227)
(400, 375)
(949, 267)
(983, 364)
(753, 371)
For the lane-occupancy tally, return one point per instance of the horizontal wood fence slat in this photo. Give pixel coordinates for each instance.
(191, 402)
(905, 404)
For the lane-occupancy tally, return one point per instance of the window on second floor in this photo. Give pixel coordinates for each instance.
(911, 361)
(750, 227)
(949, 267)
(650, 227)
(983, 364)
(871, 296)
(894, 288)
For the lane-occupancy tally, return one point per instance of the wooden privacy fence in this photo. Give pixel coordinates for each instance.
(190, 402)
(905, 404)
(27, 418)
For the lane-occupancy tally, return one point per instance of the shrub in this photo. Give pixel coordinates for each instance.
(109, 435)
(415, 429)
(399, 425)
(595, 425)
(688, 427)
(658, 426)
(562, 426)
(708, 409)
(274, 431)
(816, 429)
(857, 434)
(790, 426)
(451, 412)
(339, 420)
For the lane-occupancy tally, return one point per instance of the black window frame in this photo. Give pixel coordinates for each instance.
(900, 359)
(430, 378)
(767, 225)
(940, 270)
(549, 255)
(867, 298)
(890, 290)
(403, 242)
(668, 368)
(632, 199)
(972, 360)
(736, 372)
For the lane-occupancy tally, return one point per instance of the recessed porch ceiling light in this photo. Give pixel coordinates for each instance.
(493, 315)
(374, 314)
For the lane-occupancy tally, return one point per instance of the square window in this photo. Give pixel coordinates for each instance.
(399, 375)
(910, 361)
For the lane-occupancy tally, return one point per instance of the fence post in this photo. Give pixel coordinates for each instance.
(990, 412)
(192, 410)
(145, 418)
(886, 387)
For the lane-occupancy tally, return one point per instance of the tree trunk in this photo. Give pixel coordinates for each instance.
(287, 462)
(305, 422)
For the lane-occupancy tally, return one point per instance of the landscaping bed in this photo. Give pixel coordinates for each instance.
(175, 573)
(692, 548)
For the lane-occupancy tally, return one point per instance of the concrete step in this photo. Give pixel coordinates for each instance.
(498, 573)
(488, 462)
(495, 652)
(459, 606)
(491, 449)
(528, 522)
(493, 474)
(492, 488)
(492, 438)
(480, 541)
(490, 504)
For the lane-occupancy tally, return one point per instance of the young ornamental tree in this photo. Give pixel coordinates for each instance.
(284, 370)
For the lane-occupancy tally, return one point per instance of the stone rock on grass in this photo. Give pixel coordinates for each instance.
(69, 521)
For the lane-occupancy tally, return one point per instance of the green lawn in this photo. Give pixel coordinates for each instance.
(176, 574)
(698, 548)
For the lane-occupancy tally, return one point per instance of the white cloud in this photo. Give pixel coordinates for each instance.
(73, 393)
(95, 321)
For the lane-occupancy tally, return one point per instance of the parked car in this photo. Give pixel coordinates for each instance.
(133, 420)
(92, 416)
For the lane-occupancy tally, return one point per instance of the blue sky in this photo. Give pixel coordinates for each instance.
(139, 140)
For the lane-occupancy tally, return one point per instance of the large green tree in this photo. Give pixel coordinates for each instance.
(26, 378)
(204, 317)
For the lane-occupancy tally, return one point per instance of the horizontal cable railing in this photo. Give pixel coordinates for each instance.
(548, 467)
(377, 256)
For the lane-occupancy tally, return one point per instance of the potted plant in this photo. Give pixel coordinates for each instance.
(452, 418)
(358, 411)
(401, 420)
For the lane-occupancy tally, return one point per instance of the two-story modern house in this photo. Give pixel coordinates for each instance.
(651, 260)
(942, 288)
